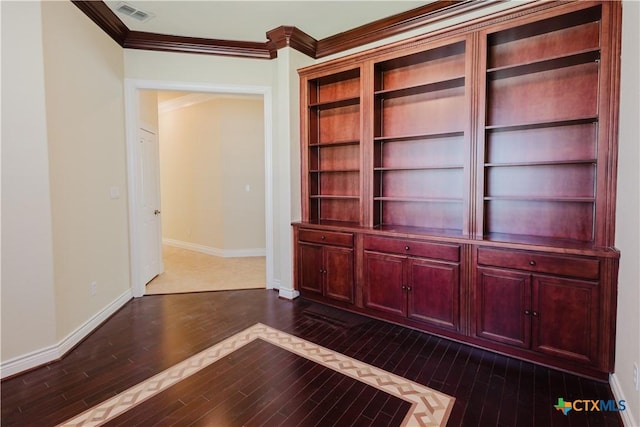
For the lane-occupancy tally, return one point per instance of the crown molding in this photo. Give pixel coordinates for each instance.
(279, 37)
(104, 17)
(293, 37)
(166, 43)
(109, 22)
(396, 24)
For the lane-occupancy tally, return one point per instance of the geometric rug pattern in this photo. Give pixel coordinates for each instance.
(428, 407)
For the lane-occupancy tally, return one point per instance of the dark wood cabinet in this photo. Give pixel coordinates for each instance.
(385, 288)
(325, 266)
(565, 314)
(398, 282)
(433, 290)
(469, 180)
(547, 314)
(502, 299)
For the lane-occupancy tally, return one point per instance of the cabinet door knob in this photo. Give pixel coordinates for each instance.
(534, 313)
(406, 248)
(527, 312)
(404, 288)
(408, 288)
(532, 262)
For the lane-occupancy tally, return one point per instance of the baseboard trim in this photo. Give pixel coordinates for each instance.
(223, 253)
(288, 293)
(618, 395)
(55, 352)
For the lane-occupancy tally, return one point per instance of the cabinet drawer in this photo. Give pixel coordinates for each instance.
(326, 237)
(413, 248)
(540, 263)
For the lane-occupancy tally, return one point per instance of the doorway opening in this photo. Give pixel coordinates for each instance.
(191, 238)
(211, 156)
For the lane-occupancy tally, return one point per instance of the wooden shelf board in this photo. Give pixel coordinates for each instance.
(336, 143)
(419, 168)
(333, 170)
(552, 63)
(335, 197)
(543, 124)
(543, 163)
(405, 229)
(457, 81)
(541, 199)
(400, 138)
(326, 105)
(538, 240)
(419, 199)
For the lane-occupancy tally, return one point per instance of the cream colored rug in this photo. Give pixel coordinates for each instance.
(428, 407)
(189, 271)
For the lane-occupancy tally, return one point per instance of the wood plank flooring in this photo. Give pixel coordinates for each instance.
(264, 385)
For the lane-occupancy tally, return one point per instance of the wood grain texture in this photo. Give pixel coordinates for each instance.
(152, 333)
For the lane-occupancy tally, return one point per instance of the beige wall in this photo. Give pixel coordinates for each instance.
(86, 153)
(209, 152)
(240, 72)
(148, 110)
(241, 125)
(628, 212)
(84, 75)
(28, 306)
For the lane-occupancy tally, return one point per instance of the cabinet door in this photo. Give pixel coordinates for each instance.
(384, 283)
(502, 305)
(338, 268)
(433, 292)
(565, 314)
(310, 268)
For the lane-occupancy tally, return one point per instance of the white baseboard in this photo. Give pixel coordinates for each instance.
(618, 395)
(288, 293)
(54, 352)
(223, 253)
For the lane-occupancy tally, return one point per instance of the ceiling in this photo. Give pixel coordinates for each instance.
(250, 20)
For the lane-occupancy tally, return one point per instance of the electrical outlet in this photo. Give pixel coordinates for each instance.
(93, 288)
(636, 376)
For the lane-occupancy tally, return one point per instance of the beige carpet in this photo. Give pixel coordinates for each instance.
(189, 271)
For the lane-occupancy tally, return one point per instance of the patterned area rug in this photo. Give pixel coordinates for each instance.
(428, 407)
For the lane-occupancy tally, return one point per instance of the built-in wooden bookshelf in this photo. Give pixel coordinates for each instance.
(333, 150)
(541, 128)
(419, 140)
(465, 183)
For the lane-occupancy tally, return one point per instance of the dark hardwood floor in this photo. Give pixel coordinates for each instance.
(262, 384)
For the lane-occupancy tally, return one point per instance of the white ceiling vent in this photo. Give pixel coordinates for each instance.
(134, 12)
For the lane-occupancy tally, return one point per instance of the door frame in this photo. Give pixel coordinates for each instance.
(131, 88)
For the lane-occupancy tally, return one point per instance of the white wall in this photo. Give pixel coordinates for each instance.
(148, 109)
(28, 307)
(628, 216)
(194, 71)
(209, 152)
(29, 296)
(241, 125)
(84, 82)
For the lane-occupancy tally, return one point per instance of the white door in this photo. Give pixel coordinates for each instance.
(149, 207)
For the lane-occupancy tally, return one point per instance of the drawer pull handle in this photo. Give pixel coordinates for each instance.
(406, 248)
(322, 238)
(532, 262)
